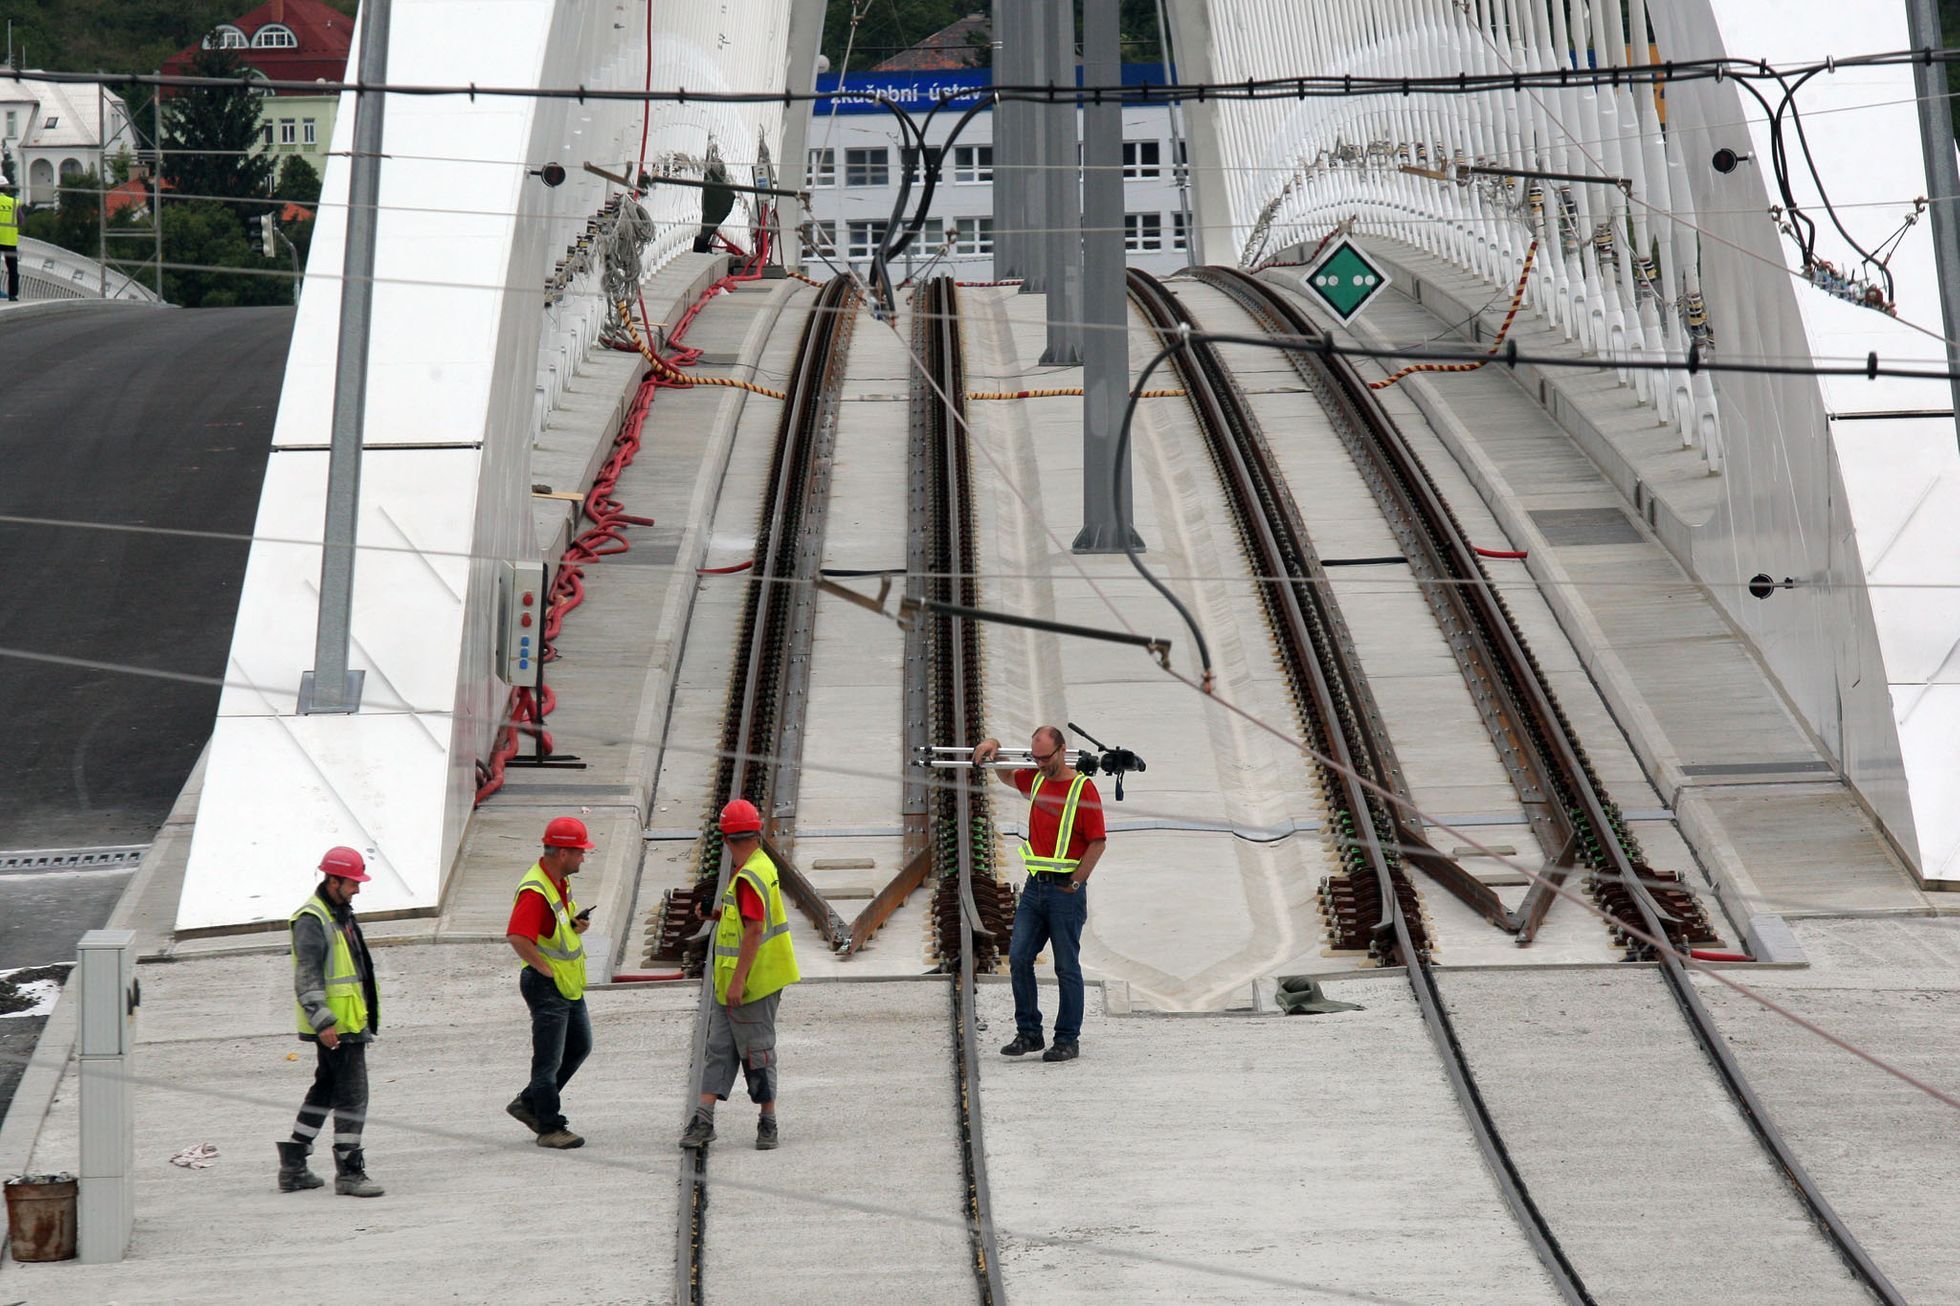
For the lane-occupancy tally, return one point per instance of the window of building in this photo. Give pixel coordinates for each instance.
(265, 134)
(13, 122)
(973, 163)
(275, 36)
(823, 168)
(867, 238)
(931, 238)
(1141, 159)
(867, 168)
(288, 131)
(973, 236)
(51, 122)
(309, 132)
(825, 236)
(226, 37)
(1180, 235)
(1143, 232)
(71, 170)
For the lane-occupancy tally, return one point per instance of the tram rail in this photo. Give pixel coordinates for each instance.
(762, 737)
(1563, 795)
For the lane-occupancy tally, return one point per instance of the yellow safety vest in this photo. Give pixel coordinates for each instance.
(1059, 864)
(563, 949)
(9, 222)
(346, 995)
(774, 967)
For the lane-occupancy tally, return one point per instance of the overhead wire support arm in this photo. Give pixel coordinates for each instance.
(1155, 645)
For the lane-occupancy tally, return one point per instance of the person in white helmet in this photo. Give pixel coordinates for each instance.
(338, 1009)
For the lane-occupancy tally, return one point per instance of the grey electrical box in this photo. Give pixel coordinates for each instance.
(105, 965)
(521, 600)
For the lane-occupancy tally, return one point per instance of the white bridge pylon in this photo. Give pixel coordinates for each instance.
(467, 358)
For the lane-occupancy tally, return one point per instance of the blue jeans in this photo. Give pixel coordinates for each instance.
(561, 1036)
(1048, 916)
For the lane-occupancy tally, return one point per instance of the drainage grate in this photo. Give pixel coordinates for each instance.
(114, 857)
(1567, 526)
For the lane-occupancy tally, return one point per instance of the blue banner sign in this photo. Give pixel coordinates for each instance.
(914, 91)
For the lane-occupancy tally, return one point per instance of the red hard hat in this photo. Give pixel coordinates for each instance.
(346, 864)
(567, 832)
(740, 817)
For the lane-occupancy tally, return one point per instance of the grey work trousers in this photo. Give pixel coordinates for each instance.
(742, 1037)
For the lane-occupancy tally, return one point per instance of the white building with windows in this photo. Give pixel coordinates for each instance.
(854, 174)
(51, 133)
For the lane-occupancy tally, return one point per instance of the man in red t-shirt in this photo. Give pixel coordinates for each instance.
(1065, 841)
(553, 987)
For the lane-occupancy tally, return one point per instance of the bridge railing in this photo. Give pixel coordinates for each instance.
(1617, 259)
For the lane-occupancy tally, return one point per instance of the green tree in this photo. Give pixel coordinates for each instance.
(298, 183)
(199, 235)
(211, 133)
(75, 223)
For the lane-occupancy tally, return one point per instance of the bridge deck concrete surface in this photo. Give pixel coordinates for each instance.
(1202, 1148)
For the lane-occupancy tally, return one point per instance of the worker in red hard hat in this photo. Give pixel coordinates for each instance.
(338, 1008)
(753, 963)
(545, 931)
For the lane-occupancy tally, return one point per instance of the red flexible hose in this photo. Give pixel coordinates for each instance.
(725, 571)
(1513, 554)
(1704, 954)
(525, 713)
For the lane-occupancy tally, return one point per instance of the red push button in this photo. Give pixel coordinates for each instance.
(527, 598)
(524, 619)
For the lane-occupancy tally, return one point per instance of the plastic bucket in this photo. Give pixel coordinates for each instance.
(41, 1217)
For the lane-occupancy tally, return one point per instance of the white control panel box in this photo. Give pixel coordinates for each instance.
(521, 599)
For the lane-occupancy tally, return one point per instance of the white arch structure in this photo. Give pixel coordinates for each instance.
(1837, 483)
(467, 357)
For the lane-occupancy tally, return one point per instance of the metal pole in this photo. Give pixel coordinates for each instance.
(101, 190)
(331, 686)
(1031, 127)
(1942, 171)
(156, 182)
(1061, 186)
(1105, 341)
(1010, 147)
(1180, 143)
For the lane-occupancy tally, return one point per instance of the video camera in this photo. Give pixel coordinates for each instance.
(1116, 762)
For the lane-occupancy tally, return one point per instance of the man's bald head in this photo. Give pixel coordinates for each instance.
(1049, 738)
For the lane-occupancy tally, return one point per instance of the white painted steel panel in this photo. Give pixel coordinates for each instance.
(466, 353)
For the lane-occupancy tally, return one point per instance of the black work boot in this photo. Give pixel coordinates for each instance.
(1062, 1052)
(766, 1137)
(350, 1173)
(294, 1175)
(700, 1131)
(1022, 1045)
(523, 1115)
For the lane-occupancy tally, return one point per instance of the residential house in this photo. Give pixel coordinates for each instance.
(53, 132)
(287, 41)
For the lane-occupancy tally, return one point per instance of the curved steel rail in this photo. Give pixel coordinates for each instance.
(954, 652)
(1279, 315)
(1321, 668)
(775, 562)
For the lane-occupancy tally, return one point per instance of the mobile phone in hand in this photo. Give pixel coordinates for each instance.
(584, 915)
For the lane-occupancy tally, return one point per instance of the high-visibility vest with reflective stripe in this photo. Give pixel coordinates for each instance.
(774, 966)
(563, 949)
(346, 995)
(1060, 863)
(9, 222)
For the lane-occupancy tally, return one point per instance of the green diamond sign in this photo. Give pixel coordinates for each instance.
(1345, 281)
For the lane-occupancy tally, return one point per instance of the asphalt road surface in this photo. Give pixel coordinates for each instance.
(125, 415)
